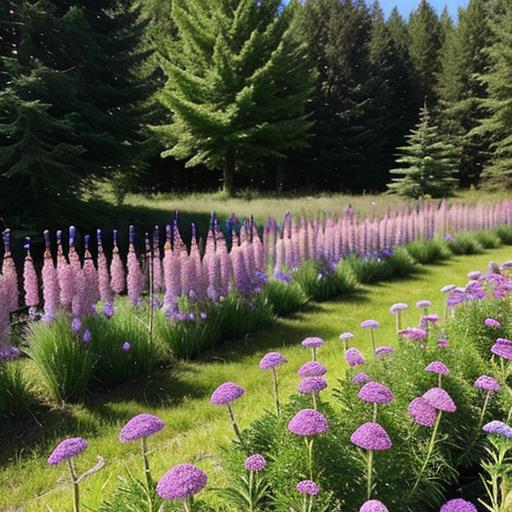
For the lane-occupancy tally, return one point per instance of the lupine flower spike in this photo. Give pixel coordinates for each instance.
(30, 283)
(271, 361)
(226, 394)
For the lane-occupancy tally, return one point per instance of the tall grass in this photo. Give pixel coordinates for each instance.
(285, 298)
(15, 396)
(465, 243)
(429, 251)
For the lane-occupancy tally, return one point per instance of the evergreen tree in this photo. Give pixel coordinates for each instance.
(497, 123)
(427, 166)
(425, 33)
(461, 92)
(238, 84)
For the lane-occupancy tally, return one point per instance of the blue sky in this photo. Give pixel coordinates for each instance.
(406, 6)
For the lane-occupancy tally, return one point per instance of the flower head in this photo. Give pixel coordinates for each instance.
(226, 393)
(312, 385)
(354, 357)
(443, 343)
(312, 342)
(346, 336)
(360, 378)
(371, 436)
(76, 325)
(308, 422)
(142, 425)
(384, 351)
(376, 393)
(66, 449)
(87, 336)
(429, 319)
(458, 505)
(308, 487)
(414, 333)
(126, 346)
(423, 304)
(422, 412)
(312, 369)
(255, 463)
(448, 288)
(498, 428)
(502, 348)
(370, 324)
(487, 384)
(396, 308)
(437, 367)
(373, 506)
(492, 323)
(272, 360)
(474, 275)
(439, 399)
(181, 482)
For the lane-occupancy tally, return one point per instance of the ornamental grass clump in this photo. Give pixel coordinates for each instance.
(272, 361)
(66, 451)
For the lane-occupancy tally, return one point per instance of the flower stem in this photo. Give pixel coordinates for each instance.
(373, 341)
(314, 353)
(276, 390)
(314, 401)
(440, 380)
(76, 487)
(309, 445)
(370, 474)
(187, 505)
(235, 425)
(374, 415)
(398, 324)
(251, 498)
(147, 473)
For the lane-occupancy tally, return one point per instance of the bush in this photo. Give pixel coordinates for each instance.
(429, 251)
(465, 243)
(488, 239)
(504, 233)
(369, 269)
(285, 298)
(401, 263)
(320, 282)
(15, 396)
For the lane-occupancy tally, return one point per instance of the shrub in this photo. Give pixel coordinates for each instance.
(429, 251)
(64, 361)
(465, 243)
(504, 233)
(401, 263)
(369, 269)
(285, 298)
(15, 396)
(488, 239)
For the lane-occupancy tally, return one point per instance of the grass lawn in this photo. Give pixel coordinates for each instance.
(195, 429)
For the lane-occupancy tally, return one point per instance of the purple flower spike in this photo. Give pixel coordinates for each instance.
(423, 304)
(422, 412)
(397, 308)
(498, 428)
(181, 482)
(312, 369)
(502, 348)
(67, 449)
(492, 323)
(458, 505)
(312, 385)
(354, 357)
(375, 393)
(76, 325)
(312, 342)
(308, 487)
(272, 360)
(226, 393)
(308, 422)
(384, 351)
(439, 399)
(437, 367)
(373, 506)
(371, 436)
(361, 378)
(370, 324)
(126, 346)
(142, 425)
(255, 463)
(487, 384)
(443, 343)
(346, 336)
(87, 336)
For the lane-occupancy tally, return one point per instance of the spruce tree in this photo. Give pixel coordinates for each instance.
(427, 167)
(497, 123)
(237, 84)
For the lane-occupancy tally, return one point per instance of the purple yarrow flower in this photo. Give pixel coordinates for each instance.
(491, 322)
(422, 412)
(312, 369)
(498, 428)
(370, 324)
(181, 482)
(440, 400)
(373, 506)
(354, 357)
(360, 378)
(384, 351)
(308, 487)
(443, 343)
(87, 336)
(142, 425)
(437, 367)
(126, 346)
(423, 304)
(487, 384)
(502, 348)
(312, 342)
(226, 393)
(398, 307)
(375, 393)
(371, 436)
(458, 505)
(76, 325)
(346, 336)
(307, 423)
(312, 385)
(272, 360)
(255, 463)
(67, 449)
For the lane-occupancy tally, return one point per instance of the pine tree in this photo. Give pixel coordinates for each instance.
(497, 123)
(461, 92)
(427, 166)
(238, 84)
(425, 33)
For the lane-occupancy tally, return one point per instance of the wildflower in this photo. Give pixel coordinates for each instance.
(354, 357)
(439, 368)
(458, 505)
(360, 378)
(345, 337)
(126, 346)
(140, 426)
(414, 333)
(498, 428)
(314, 344)
(373, 506)
(422, 412)
(440, 400)
(76, 325)
(487, 383)
(474, 275)
(397, 308)
(443, 343)
(492, 323)
(312, 385)
(182, 482)
(308, 487)
(448, 288)
(502, 348)
(384, 351)
(375, 392)
(87, 336)
(67, 449)
(312, 369)
(255, 463)
(308, 423)
(271, 361)
(429, 319)
(108, 310)
(423, 304)
(370, 324)
(226, 394)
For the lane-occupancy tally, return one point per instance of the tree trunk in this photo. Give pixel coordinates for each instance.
(229, 174)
